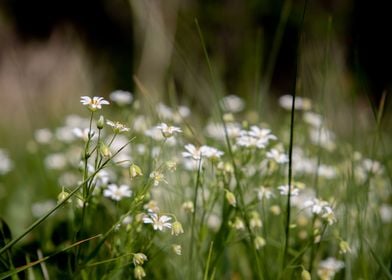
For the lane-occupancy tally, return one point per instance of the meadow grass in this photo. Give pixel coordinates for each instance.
(141, 189)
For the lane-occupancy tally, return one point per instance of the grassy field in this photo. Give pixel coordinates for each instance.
(199, 183)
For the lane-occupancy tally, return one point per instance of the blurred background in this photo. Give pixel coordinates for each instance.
(53, 52)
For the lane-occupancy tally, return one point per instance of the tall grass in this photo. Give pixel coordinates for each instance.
(142, 189)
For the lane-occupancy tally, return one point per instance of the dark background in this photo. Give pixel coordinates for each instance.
(106, 30)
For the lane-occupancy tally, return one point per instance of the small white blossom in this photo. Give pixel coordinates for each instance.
(117, 127)
(158, 222)
(157, 177)
(5, 163)
(317, 206)
(117, 192)
(284, 190)
(263, 192)
(43, 135)
(313, 119)
(93, 104)
(232, 103)
(210, 152)
(301, 103)
(121, 97)
(168, 131)
(277, 156)
(55, 161)
(328, 268)
(192, 152)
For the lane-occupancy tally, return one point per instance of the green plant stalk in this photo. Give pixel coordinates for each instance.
(288, 203)
(208, 262)
(193, 221)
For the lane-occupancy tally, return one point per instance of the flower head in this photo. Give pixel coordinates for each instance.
(158, 222)
(139, 259)
(117, 127)
(117, 192)
(284, 190)
(121, 97)
(93, 104)
(168, 130)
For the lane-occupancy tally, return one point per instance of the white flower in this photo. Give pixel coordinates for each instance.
(43, 135)
(255, 137)
(317, 206)
(192, 152)
(168, 131)
(117, 127)
(5, 163)
(117, 193)
(217, 131)
(263, 192)
(93, 104)
(313, 119)
(277, 156)
(210, 152)
(157, 178)
(284, 190)
(56, 161)
(164, 111)
(232, 103)
(301, 103)
(121, 97)
(82, 133)
(158, 222)
(328, 268)
(261, 134)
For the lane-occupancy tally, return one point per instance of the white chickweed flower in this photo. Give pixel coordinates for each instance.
(328, 268)
(117, 127)
(192, 152)
(263, 192)
(93, 104)
(121, 97)
(284, 190)
(168, 130)
(117, 192)
(277, 156)
(158, 177)
(158, 222)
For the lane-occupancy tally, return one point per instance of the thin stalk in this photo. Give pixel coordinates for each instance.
(194, 216)
(288, 202)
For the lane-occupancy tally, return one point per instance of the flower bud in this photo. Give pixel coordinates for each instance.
(177, 228)
(135, 171)
(100, 122)
(231, 198)
(62, 196)
(104, 150)
(177, 249)
(305, 275)
(139, 272)
(139, 259)
(259, 242)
